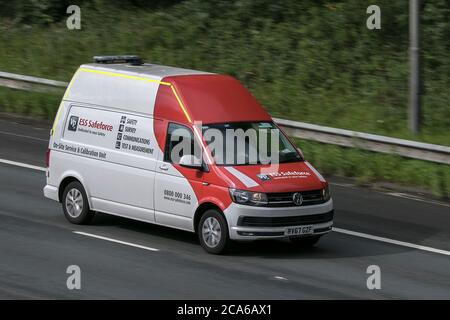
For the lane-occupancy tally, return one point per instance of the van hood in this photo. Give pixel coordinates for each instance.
(285, 177)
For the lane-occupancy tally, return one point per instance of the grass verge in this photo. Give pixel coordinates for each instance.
(365, 166)
(368, 167)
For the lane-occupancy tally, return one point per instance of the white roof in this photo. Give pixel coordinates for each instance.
(145, 69)
(121, 86)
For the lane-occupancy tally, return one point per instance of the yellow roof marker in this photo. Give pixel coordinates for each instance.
(180, 103)
(121, 75)
(126, 76)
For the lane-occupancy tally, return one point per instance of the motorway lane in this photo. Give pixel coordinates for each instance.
(368, 211)
(358, 209)
(23, 140)
(37, 245)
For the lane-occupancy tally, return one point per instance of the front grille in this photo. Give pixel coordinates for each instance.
(249, 221)
(284, 199)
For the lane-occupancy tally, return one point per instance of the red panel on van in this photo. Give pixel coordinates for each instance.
(216, 98)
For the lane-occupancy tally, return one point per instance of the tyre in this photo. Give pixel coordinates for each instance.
(305, 242)
(213, 232)
(75, 204)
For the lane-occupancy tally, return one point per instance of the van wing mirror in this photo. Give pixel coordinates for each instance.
(190, 161)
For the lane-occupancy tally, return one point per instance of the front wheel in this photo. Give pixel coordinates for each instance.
(213, 232)
(305, 242)
(75, 204)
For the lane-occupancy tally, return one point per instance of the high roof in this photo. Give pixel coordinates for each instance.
(121, 86)
(211, 98)
(171, 93)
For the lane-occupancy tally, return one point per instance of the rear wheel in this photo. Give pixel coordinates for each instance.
(75, 204)
(213, 232)
(305, 241)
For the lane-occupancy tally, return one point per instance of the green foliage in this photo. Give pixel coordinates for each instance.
(313, 61)
(37, 12)
(42, 105)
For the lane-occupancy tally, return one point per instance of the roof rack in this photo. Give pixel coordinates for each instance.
(133, 60)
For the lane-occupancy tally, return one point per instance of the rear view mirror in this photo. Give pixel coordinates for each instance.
(190, 161)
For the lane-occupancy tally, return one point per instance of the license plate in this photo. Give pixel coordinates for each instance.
(298, 231)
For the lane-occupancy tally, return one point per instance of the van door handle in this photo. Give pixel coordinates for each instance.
(164, 167)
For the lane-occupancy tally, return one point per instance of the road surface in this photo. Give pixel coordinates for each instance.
(409, 239)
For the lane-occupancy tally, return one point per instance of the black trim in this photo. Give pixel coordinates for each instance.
(322, 229)
(311, 197)
(286, 221)
(131, 59)
(260, 234)
(274, 233)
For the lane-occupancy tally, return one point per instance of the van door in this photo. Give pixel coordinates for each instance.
(177, 189)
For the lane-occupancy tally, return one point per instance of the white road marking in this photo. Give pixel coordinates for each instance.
(23, 165)
(391, 241)
(116, 241)
(349, 232)
(23, 136)
(281, 278)
(411, 197)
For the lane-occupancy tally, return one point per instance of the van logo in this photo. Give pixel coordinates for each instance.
(297, 199)
(263, 177)
(73, 123)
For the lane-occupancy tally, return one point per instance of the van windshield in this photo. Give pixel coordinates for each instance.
(246, 143)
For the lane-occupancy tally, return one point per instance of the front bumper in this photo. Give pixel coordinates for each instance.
(239, 232)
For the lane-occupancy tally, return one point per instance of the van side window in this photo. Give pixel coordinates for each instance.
(179, 142)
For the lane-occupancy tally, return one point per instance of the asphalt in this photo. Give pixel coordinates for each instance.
(37, 245)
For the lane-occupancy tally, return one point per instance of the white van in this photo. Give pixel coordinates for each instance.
(115, 148)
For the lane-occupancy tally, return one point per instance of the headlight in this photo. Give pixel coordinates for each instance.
(326, 193)
(248, 198)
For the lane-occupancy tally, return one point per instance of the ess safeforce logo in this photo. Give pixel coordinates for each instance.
(73, 123)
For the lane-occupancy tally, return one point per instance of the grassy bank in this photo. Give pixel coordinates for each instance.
(36, 104)
(312, 61)
(365, 166)
(369, 167)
